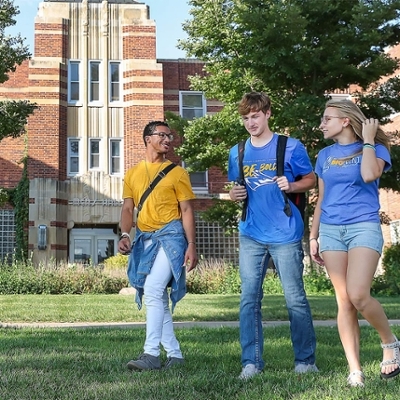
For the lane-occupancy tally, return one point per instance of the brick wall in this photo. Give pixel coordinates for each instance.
(175, 78)
(51, 44)
(142, 43)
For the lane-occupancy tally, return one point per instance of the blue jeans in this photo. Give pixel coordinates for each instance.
(288, 260)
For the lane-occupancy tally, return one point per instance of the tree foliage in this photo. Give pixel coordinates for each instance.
(13, 119)
(13, 113)
(297, 51)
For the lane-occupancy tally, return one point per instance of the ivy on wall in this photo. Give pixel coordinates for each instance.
(18, 197)
(21, 207)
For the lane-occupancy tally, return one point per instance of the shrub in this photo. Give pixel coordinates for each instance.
(24, 278)
(388, 284)
(213, 276)
(217, 277)
(116, 266)
(117, 262)
(317, 282)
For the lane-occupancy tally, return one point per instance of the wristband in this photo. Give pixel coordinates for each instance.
(192, 242)
(125, 235)
(313, 239)
(369, 146)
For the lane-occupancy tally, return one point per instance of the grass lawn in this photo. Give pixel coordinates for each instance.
(86, 364)
(117, 308)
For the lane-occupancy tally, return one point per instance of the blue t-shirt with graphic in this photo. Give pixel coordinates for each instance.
(347, 198)
(266, 221)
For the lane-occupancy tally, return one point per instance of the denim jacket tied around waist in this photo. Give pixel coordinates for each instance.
(173, 240)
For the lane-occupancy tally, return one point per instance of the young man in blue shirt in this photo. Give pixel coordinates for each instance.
(268, 232)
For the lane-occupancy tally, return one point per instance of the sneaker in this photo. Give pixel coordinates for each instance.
(145, 362)
(172, 361)
(249, 371)
(305, 368)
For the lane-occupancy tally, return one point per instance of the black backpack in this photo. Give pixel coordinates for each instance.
(298, 199)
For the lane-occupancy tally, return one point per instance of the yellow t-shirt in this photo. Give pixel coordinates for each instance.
(162, 205)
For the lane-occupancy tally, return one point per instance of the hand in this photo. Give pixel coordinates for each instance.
(282, 183)
(191, 258)
(369, 129)
(314, 252)
(238, 193)
(124, 245)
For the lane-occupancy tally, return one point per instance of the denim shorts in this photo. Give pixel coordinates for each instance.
(347, 237)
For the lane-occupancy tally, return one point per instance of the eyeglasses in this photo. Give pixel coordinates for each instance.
(164, 135)
(326, 118)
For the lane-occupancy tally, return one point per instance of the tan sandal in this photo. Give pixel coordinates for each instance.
(356, 379)
(396, 360)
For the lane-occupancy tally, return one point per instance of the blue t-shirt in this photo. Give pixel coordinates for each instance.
(266, 221)
(347, 198)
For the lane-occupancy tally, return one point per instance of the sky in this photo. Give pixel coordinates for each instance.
(168, 14)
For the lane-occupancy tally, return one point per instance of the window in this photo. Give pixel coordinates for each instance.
(94, 153)
(198, 179)
(193, 105)
(74, 95)
(73, 156)
(7, 237)
(94, 81)
(92, 246)
(115, 82)
(115, 157)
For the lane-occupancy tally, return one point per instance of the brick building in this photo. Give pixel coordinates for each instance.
(97, 82)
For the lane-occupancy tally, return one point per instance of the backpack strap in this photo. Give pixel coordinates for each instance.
(280, 161)
(241, 146)
(153, 184)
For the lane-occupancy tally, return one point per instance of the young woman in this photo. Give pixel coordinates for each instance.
(346, 228)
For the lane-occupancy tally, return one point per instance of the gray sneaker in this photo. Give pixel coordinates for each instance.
(249, 371)
(172, 361)
(145, 362)
(305, 368)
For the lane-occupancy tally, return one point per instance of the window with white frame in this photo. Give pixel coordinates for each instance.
(74, 81)
(193, 105)
(395, 231)
(115, 157)
(199, 180)
(73, 156)
(94, 153)
(115, 81)
(94, 81)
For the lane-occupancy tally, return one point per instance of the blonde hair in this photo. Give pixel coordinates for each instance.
(348, 109)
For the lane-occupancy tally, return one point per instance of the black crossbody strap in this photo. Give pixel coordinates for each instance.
(280, 161)
(153, 184)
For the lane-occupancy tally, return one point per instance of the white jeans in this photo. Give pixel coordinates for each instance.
(159, 325)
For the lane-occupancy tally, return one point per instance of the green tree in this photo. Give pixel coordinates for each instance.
(13, 119)
(13, 113)
(297, 51)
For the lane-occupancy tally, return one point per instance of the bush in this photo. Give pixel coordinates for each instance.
(388, 284)
(24, 278)
(317, 282)
(217, 277)
(213, 277)
(117, 262)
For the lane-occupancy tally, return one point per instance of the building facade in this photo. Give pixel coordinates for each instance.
(97, 82)
(96, 79)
